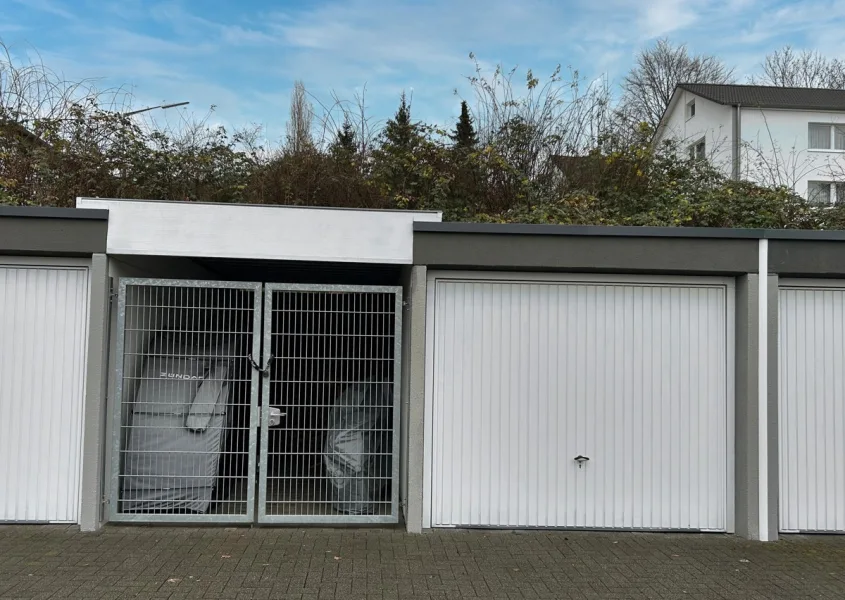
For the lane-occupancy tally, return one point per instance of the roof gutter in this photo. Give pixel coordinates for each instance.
(737, 141)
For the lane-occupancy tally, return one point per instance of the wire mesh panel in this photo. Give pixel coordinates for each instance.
(330, 410)
(185, 419)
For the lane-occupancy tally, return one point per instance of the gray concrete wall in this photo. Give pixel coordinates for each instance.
(746, 405)
(415, 358)
(585, 253)
(94, 437)
(52, 232)
(807, 258)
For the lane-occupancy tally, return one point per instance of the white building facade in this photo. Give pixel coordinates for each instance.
(792, 137)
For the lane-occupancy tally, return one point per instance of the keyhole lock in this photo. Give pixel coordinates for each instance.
(581, 460)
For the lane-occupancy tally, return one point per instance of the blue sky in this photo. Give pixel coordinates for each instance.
(243, 56)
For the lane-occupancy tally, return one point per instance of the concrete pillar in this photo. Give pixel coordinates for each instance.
(94, 432)
(756, 499)
(415, 409)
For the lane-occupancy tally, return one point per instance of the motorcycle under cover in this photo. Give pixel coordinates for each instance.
(357, 450)
(178, 427)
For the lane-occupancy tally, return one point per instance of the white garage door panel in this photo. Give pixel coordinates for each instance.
(812, 409)
(527, 376)
(43, 323)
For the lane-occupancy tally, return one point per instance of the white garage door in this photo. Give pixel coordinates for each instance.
(525, 377)
(43, 325)
(812, 408)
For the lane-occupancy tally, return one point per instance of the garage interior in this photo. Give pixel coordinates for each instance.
(270, 401)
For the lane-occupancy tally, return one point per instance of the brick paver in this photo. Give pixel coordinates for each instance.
(345, 564)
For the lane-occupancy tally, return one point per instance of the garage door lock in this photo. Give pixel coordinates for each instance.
(581, 460)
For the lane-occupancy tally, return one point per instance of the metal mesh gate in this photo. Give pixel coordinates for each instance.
(186, 413)
(330, 404)
(193, 399)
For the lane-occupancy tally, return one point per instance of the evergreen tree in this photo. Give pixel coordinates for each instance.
(399, 132)
(464, 135)
(343, 147)
(397, 161)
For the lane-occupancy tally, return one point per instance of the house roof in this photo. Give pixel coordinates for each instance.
(762, 96)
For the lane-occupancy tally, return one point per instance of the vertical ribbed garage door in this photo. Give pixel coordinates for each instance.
(594, 404)
(812, 408)
(43, 336)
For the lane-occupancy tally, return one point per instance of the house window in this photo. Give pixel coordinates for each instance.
(823, 136)
(690, 109)
(819, 193)
(696, 150)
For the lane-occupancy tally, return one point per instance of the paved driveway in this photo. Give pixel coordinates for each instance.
(158, 562)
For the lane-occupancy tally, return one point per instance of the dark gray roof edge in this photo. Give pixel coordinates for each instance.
(627, 231)
(773, 105)
(52, 212)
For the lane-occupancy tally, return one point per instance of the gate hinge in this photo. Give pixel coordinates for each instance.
(112, 290)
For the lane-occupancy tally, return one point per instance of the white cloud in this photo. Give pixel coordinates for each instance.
(117, 44)
(809, 19)
(661, 17)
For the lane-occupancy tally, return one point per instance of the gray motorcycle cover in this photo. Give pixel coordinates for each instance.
(357, 450)
(178, 427)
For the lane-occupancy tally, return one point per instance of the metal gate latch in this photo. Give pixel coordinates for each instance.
(276, 415)
(581, 460)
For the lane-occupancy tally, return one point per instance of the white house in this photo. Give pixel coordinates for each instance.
(771, 135)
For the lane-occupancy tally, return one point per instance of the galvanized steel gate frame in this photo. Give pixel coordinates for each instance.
(259, 411)
(393, 517)
(114, 498)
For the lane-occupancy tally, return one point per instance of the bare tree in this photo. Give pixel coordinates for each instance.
(649, 85)
(553, 117)
(806, 68)
(354, 112)
(301, 118)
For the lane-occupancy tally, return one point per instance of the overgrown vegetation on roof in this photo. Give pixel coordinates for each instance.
(539, 150)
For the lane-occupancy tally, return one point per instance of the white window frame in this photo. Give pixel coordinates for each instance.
(690, 109)
(692, 149)
(836, 193)
(832, 127)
